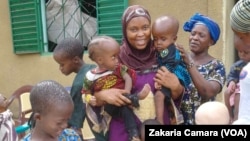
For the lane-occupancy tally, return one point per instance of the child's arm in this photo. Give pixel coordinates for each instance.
(234, 73)
(236, 106)
(128, 82)
(231, 87)
(227, 101)
(227, 94)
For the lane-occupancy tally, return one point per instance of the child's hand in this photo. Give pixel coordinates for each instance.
(92, 101)
(157, 86)
(231, 87)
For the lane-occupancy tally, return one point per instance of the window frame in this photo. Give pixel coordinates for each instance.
(111, 12)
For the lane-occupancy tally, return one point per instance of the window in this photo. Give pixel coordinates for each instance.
(109, 15)
(26, 26)
(37, 25)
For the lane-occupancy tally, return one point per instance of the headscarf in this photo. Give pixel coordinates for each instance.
(240, 16)
(212, 26)
(139, 60)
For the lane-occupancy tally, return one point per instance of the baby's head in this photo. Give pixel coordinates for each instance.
(212, 112)
(104, 50)
(242, 49)
(165, 30)
(52, 107)
(69, 54)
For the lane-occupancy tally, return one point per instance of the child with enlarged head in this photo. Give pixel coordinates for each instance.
(164, 30)
(109, 73)
(51, 107)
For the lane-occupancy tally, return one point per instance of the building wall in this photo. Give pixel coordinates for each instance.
(17, 70)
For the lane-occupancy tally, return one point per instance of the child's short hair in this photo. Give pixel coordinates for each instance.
(71, 47)
(47, 93)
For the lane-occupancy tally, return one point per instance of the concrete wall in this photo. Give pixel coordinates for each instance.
(17, 70)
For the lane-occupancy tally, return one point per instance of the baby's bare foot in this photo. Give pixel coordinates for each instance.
(144, 92)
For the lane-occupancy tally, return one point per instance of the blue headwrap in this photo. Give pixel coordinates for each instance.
(212, 26)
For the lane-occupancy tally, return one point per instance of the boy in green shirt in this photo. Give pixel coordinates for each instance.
(69, 55)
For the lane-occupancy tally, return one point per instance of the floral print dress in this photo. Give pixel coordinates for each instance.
(212, 71)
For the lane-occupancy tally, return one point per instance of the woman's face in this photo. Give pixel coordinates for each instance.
(138, 32)
(200, 39)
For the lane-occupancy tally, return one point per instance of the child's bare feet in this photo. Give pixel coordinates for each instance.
(144, 92)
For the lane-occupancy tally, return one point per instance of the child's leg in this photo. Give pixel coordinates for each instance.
(236, 106)
(141, 95)
(112, 110)
(144, 92)
(127, 114)
(227, 95)
(129, 120)
(159, 106)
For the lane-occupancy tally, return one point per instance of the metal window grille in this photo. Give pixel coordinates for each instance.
(70, 18)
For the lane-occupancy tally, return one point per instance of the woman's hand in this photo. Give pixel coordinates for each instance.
(157, 86)
(184, 54)
(169, 80)
(113, 96)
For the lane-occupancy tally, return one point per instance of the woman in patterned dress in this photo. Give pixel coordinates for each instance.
(207, 72)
